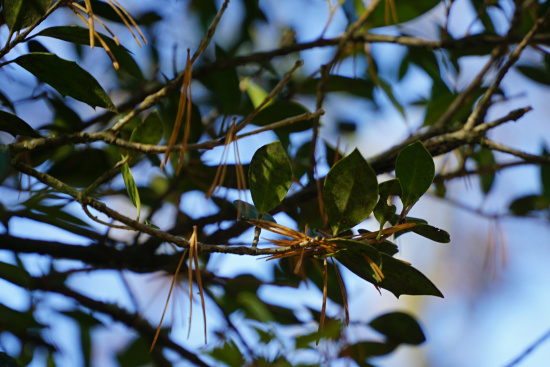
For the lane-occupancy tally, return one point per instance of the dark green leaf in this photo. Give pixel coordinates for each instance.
(484, 157)
(136, 354)
(35, 46)
(4, 164)
(150, 131)
(529, 203)
(228, 354)
(15, 126)
(131, 187)
(269, 176)
(15, 274)
(67, 78)
(537, 74)
(399, 327)
(81, 36)
(81, 168)
(425, 230)
(350, 192)
(336, 83)
(415, 169)
(354, 257)
(7, 361)
(5, 101)
(20, 14)
(224, 86)
(398, 11)
(402, 278)
(363, 350)
(332, 330)
(382, 211)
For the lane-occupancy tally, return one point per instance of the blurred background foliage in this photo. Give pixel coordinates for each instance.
(81, 292)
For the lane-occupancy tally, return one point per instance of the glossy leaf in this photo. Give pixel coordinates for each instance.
(269, 176)
(67, 78)
(399, 327)
(15, 126)
(150, 131)
(131, 187)
(431, 232)
(350, 192)
(81, 36)
(19, 14)
(398, 11)
(415, 169)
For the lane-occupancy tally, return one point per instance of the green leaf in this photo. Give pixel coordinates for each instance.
(80, 168)
(529, 203)
(382, 211)
(254, 307)
(131, 187)
(336, 83)
(399, 327)
(350, 192)
(224, 86)
(229, 354)
(425, 230)
(537, 74)
(402, 278)
(150, 131)
(249, 211)
(5, 101)
(15, 126)
(15, 274)
(5, 160)
(399, 11)
(20, 14)
(136, 354)
(484, 157)
(352, 256)
(415, 169)
(270, 176)
(256, 94)
(81, 36)
(332, 330)
(364, 350)
(67, 78)
(7, 361)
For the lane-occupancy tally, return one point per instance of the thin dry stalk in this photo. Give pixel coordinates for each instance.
(167, 300)
(343, 289)
(324, 307)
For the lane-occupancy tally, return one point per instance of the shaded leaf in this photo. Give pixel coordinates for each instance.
(81, 168)
(415, 169)
(425, 230)
(5, 101)
(249, 211)
(399, 327)
(229, 354)
(20, 14)
(363, 350)
(15, 126)
(81, 36)
(537, 74)
(15, 274)
(545, 175)
(529, 203)
(352, 256)
(350, 192)
(67, 78)
(484, 157)
(269, 176)
(402, 278)
(136, 354)
(150, 131)
(336, 83)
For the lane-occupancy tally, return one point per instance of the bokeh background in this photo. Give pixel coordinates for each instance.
(494, 273)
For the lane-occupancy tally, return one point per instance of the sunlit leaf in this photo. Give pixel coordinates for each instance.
(269, 176)
(415, 169)
(131, 187)
(350, 192)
